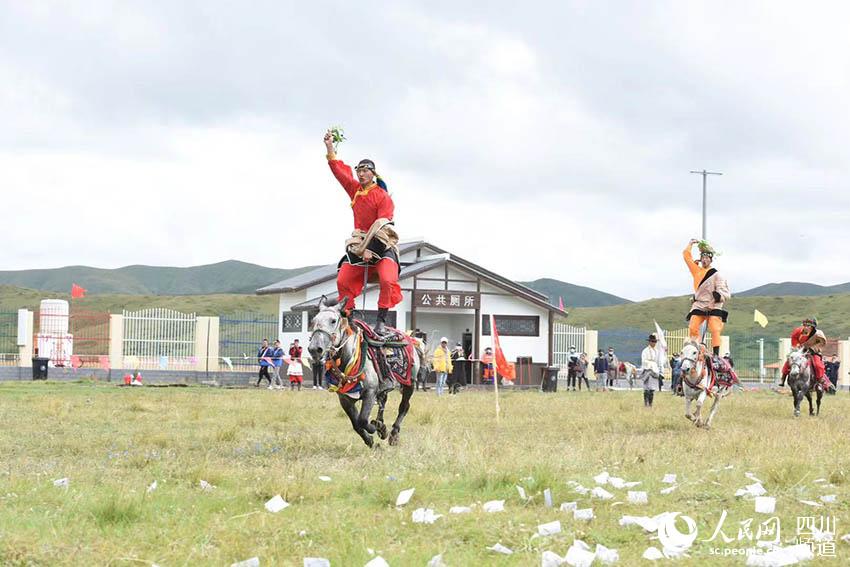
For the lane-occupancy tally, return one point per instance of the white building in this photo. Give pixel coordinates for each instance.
(444, 295)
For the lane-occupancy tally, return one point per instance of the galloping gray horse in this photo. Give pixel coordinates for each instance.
(801, 379)
(333, 339)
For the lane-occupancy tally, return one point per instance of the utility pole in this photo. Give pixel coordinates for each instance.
(705, 174)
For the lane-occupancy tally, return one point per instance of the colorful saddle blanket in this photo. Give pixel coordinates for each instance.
(392, 352)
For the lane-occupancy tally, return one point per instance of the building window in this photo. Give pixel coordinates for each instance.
(371, 317)
(291, 322)
(513, 325)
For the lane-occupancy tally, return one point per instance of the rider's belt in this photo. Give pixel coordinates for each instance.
(382, 231)
(722, 313)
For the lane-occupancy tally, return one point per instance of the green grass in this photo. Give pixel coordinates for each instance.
(783, 313)
(253, 444)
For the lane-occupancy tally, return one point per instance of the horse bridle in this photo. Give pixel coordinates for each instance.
(332, 337)
(692, 370)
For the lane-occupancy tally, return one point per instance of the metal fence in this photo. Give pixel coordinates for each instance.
(8, 338)
(627, 343)
(240, 335)
(564, 337)
(756, 357)
(159, 338)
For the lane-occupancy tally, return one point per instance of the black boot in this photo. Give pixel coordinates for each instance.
(381, 326)
(646, 398)
(650, 396)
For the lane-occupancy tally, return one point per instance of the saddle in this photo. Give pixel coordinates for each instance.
(392, 354)
(724, 375)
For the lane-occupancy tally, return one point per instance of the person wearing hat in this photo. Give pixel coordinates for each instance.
(458, 377)
(572, 368)
(600, 368)
(373, 246)
(711, 292)
(649, 369)
(613, 367)
(442, 364)
(809, 338)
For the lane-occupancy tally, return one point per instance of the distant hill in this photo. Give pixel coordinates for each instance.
(230, 276)
(795, 288)
(574, 295)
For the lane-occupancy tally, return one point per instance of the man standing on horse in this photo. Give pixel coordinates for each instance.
(711, 291)
(807, 337)
(372, 247)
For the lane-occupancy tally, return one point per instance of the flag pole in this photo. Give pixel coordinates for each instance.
(495, 366)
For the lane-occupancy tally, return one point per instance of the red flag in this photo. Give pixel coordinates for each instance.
(502, 366)
(77, 292)
(560, 303)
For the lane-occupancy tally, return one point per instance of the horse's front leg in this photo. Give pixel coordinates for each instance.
(349, 406)
(819, 396)
(809, 399)
(714, 407)
(403, 408)
(378, 423)
(367, 402)
(798, 399)
(698, 414)
(688, 400)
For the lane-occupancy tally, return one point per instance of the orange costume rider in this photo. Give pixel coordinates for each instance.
(373, 244)
(711, 291)
(807, 337)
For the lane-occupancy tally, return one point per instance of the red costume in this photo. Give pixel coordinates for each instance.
(369, 204)
(799, 337)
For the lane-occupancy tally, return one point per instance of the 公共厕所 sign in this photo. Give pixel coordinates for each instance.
(441, 299)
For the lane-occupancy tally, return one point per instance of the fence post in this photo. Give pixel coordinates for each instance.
(202, 325)
(724, 345)
(844, 359)
(25, 320)
(591, 343)
(213, 344)
(116, 341)
(784, 349)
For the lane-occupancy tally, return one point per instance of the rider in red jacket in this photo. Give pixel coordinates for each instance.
(372, 246)
(800, 338)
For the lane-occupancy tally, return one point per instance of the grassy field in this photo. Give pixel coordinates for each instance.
(114, 442)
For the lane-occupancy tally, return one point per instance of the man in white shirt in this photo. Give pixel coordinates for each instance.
(650, 369)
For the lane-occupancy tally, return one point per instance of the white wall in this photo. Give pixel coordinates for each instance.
(535, 347)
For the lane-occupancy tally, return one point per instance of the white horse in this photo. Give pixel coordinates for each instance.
(697, 382)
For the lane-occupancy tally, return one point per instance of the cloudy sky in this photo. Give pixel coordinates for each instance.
(548, 139)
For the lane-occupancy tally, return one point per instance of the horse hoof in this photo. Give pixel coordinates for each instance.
(380, 429)
(393, 439)
(796, 414)
(689, 417)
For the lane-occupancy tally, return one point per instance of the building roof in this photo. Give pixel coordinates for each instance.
(422, 264)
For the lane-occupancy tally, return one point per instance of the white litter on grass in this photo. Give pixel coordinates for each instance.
(522, 494)
(276, 504)
(845, 538)
(648, 524)
(316, 562)
(206, 486)
(585, 514)
(568, 506)
(828, 498)
(499, 548)
(551, 528)
(601, 493)
(494, 506)
(638, 497)
(252, 562)
(782, 556)
(819, 480)
(652, 554)
(152, 487)
(605, 555)
(551, 559)
(752, 490)
(325, 478)
(752, 477)
(436, 561)
(579, 554)
(460, 510)
(547, 498)
(811, 503)
(425, 516)
(580, 489)
(377, 562)
(765, 504)
(669, 478)
(619, 483)
(601, 478)
(669, 489)
(404, 496)
(62, 482)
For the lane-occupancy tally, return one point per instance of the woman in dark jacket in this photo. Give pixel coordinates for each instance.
(458, 377)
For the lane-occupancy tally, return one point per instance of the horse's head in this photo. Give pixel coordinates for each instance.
(797, 362)
(690, 354)
(327, 328)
